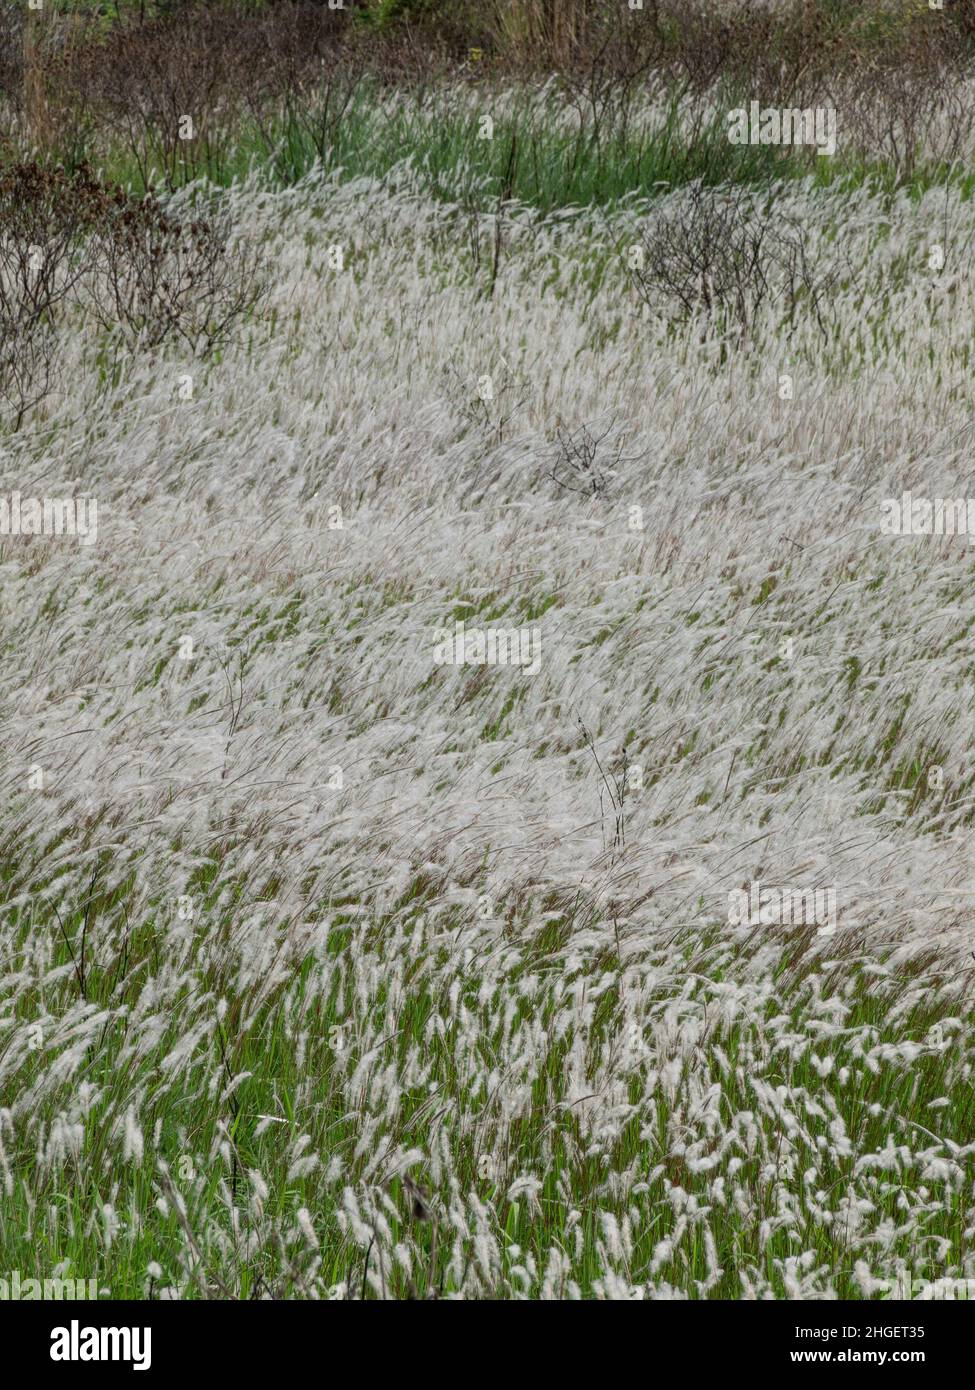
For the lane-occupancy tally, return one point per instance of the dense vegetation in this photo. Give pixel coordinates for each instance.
(329, 969)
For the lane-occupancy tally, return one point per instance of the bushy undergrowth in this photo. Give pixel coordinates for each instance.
(163, 98)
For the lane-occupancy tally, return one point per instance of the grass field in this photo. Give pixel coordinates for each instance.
(330, 968)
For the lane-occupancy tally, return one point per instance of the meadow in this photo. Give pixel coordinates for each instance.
(333, 968)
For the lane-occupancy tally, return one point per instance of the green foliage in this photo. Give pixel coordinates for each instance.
(383, 14)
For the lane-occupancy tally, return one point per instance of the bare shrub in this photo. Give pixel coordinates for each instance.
(585, 460)
(173, 88)
(163, 88)
(142, 272)
(725, 252)
(490, 402)
(45, 215)
(602, 75)
(962, 14)
(28, 356)
(310, 98)
(11, 52)
(158, 276)
(911, 114)
(46, 218)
